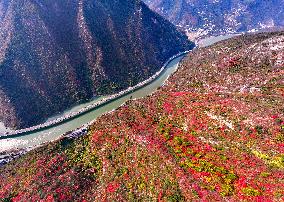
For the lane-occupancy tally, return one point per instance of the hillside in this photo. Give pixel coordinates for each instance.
(206, 17)
(214, 132)
(54, 54)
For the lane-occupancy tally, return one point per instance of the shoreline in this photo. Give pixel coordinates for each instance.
(104, 101)
(12, 154)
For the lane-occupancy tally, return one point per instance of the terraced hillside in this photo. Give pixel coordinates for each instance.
(214, 132)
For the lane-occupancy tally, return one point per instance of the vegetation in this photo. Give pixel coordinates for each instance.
(217, 141)
(56, 54)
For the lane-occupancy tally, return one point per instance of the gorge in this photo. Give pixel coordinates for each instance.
(55, 54)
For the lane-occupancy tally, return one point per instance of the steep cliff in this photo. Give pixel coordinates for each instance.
(54, 54)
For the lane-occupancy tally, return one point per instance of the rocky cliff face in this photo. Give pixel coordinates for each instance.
(54, 54)
(207, 17)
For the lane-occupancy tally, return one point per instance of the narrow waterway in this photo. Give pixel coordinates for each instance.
(214, 39)
(53, 133)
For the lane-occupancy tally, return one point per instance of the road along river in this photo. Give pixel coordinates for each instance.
(33, 139)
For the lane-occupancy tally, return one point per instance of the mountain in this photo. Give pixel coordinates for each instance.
(54, 54)
(214, 17)
(214, 132)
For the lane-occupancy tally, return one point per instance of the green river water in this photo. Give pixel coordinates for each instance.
(53, 133)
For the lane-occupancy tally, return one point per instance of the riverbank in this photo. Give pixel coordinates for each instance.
(13, 152)
(73, 115)
(39, 138)
(211, 132)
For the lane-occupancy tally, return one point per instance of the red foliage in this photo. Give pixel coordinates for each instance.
(112, 187)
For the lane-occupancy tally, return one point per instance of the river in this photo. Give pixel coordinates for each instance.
(53, 133)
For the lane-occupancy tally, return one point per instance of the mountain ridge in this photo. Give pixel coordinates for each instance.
(206, 18)
(62, 53)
